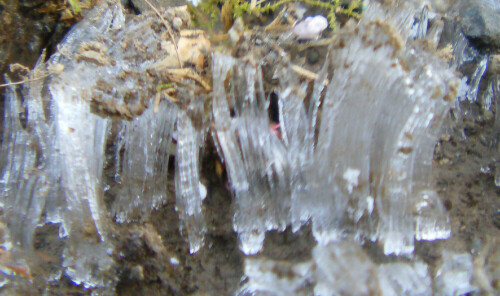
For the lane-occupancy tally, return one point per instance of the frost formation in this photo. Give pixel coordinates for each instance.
(353, 154)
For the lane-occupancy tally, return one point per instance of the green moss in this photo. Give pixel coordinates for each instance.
(164, 86)
(241, 9)
(207, 14)
(75, 6)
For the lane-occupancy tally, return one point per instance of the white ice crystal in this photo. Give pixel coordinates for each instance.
(379, 121)
(336, 269)
(189, 197)
(351, 177)
(454, 276)
(195, 2)
(275, 278)
(252, 153)
(404, 279)
(57, 160)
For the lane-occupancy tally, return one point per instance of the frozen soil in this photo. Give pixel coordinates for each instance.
(153, 257)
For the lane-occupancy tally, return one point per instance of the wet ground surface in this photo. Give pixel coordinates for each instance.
(465, 162)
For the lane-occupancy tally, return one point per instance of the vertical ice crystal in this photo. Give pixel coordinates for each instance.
(297, 132)
(381, 112)
(28, 181)
(431, 222)
(352, 105)
(367, 173)
(42, 125)
(142, 154)
(369, 117)
(188, 193)
(80, 138)
(80, 135)
(255, 157)
(55, 154)
(22, 187)
(477, 76)
(72, 141)
(489, 97)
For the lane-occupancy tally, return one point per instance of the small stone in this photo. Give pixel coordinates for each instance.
(137, 273)
(445, 137)
(488, 115)
(444, 161)
(203, 190)
(494, 65)
(177, 23)
(480, 21)
(143, 6)
(310, 27)
(174, 261)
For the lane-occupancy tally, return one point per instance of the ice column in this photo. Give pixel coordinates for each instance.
(23, 190)
(380, 117)
(142, 155)
(255, 157)
(188, 189)
(80, 138)
(297, 132)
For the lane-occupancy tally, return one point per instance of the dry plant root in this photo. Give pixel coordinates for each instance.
(175, 74)
(169, 28)
(306, 73)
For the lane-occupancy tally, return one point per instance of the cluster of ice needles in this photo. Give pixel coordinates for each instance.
(88, 148)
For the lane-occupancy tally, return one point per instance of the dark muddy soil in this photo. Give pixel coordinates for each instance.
(466, 158)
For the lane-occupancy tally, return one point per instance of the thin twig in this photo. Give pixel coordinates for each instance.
(24, 81)
(189, 73)
(318, 43)
(275, 22)
(169, 29)
(306, 73)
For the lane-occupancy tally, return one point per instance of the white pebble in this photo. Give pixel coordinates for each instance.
(177, 23)
(310, 27)
(174, 261)
(203, 190)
